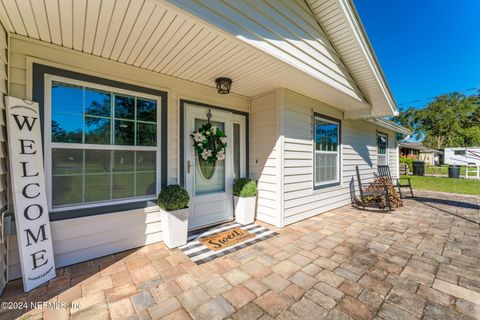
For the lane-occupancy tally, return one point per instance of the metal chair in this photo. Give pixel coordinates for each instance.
(380, 190)
(384, 171)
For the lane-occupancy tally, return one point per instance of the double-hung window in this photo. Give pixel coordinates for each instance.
(382, 149)
(327, 151)
(101, 144)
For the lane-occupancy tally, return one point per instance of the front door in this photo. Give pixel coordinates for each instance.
(211, 194)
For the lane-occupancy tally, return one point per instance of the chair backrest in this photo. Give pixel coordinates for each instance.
(384, 171)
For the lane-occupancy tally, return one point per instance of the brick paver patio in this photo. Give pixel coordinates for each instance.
(421, 261)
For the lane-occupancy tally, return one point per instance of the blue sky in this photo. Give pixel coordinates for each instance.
(425, 47)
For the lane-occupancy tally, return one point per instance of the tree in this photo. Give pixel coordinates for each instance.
(450, 120)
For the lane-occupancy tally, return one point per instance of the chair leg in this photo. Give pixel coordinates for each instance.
(387, 198)
(410, 186)
(399, 189)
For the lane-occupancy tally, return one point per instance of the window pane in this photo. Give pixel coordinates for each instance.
(123, 184)
(124, 133)
(382, 144)
(67, 161)
(146, 134)
(67, 98)
(124, 107)
(124, 161)
(97, 161)
(146, 110)
(97, 102)
(382, 160)
(146, 184)
(67, 128)
(236, 150)
(97, 187)
(67, 190)
(146, 161)
(326, 135)
(97, 130)
(326, 168)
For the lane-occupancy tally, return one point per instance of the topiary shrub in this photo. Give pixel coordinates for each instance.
(173, 197)
(244, 187)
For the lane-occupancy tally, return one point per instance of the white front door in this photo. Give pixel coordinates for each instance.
(211, 199)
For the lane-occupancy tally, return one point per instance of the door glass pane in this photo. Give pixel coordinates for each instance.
(236, 150)
(216, 183)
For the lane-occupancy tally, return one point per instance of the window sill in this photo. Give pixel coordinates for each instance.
(333, 186)
(112, 208)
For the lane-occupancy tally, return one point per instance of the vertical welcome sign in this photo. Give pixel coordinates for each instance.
(28, 184)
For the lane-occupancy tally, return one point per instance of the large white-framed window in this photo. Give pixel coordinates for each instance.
(102, 144)
(327, 146)
(382, 149)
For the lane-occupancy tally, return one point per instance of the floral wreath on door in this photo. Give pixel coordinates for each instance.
(210, 143)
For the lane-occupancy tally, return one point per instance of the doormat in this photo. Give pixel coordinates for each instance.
(224, 239)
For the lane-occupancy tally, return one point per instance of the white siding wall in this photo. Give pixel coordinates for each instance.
(3, 93)
(85, 238)
(3, 148)
(358, 148)
(263, 156)
(81, 239)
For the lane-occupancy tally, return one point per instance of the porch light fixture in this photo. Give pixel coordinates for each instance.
(223, 85)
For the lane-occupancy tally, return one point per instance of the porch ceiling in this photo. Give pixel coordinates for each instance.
(157, 36)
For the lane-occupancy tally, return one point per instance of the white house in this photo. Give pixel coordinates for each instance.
(122, 84)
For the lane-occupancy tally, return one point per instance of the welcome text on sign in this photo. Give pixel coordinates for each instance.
(30, 204)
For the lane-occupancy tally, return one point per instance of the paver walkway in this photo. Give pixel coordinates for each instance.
(421, 261)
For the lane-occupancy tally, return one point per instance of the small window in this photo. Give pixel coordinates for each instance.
(459, 152)
(103, 145)
(382, 149)
(327, 151)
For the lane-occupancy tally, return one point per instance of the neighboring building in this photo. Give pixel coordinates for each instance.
(462, 156)
(417, 151)
(121, 88)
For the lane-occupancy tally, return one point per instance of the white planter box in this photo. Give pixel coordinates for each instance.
(174, 227)
(244, 209)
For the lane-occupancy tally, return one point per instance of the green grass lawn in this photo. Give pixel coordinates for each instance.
(461, 186)
(443, 169)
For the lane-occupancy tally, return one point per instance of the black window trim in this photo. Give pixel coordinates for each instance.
(339, 121)
(38, 90)
(388, 144)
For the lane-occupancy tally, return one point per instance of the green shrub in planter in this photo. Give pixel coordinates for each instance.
(244, 187)
(173, 197)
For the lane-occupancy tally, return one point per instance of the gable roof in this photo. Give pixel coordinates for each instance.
(341, 22)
